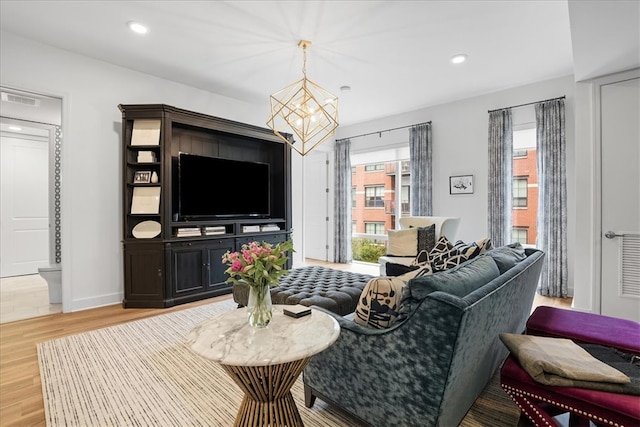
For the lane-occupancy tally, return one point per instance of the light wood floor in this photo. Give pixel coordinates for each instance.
(21, 401)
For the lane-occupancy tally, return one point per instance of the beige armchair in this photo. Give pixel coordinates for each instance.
(444, 225)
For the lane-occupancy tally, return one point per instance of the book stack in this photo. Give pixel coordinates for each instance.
(269, 227)
(146, 157)
(209, 231)
(250, 228)
(189, 232)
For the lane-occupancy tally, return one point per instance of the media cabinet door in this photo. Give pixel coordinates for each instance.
(144, 275)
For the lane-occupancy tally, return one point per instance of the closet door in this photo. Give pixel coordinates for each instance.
(619, 103)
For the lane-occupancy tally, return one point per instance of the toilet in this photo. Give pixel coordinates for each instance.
(53, 276)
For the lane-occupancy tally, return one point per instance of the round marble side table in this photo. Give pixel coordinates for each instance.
(264, 362)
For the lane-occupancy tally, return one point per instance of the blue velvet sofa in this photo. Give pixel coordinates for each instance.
(429, 367)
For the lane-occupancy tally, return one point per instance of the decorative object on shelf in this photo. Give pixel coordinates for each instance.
(142, 177)
(146, 200)
(461, 184)
(146, 132)
(154, 178)
(147, 157)
(259, 265)
(146, 230)
(306, 109)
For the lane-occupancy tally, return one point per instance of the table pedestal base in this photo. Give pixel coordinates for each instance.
(267, 400)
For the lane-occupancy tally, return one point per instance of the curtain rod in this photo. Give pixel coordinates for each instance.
(386, 130)
(528, 103)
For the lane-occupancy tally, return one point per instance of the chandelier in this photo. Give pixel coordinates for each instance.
(305, 109)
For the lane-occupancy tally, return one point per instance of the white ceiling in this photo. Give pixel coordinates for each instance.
(393, 54)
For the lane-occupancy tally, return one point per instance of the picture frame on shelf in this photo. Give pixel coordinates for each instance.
(461, 184)
(145, 200)
(142, 177)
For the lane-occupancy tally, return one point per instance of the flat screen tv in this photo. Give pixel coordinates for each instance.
(213, 187)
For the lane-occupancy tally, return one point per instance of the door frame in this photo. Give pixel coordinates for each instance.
(598, 232)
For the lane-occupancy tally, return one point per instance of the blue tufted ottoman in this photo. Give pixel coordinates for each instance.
(335, 290)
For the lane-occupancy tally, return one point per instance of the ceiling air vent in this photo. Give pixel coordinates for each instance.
(20, 99)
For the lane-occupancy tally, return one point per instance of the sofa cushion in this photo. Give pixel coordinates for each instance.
(507, 256)
(458, 281)
(379, 302)
(403, 242)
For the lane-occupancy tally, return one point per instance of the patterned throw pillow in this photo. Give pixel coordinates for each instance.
(424, 270)
(484, 245)
(469, 250)
(442, 251)
(379, 302)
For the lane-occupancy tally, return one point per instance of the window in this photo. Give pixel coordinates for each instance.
(520, 185)
(353, 197)
(519, 235)
(374, 167)
(524, 215)
(374, 197)
(405, 200)
(381, 182)
(374, 228)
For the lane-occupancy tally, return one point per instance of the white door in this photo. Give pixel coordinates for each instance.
(620, 198)
(24, 205)
(315, 205)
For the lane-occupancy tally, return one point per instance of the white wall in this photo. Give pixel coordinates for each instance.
(460, 132)
(91, 155)
(91, 193)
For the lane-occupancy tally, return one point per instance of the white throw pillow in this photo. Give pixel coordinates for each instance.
(403, 242)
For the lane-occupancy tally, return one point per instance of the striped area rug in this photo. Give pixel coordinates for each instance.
(142, 374)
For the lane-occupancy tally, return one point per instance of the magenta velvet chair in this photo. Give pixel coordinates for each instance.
(540, 403)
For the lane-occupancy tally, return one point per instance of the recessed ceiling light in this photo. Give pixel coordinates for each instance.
(137, 27)
(345, 88)
(458, 59)
(15, 128)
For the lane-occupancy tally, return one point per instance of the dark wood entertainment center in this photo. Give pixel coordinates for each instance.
(161, 268)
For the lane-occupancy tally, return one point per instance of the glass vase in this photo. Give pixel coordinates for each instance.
(259, 306)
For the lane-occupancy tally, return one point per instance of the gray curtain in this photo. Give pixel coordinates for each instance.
(552, 197)
(420, 164)
(500, 176)
(342, 202)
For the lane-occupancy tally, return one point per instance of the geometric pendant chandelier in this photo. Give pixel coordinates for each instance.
(305, 110)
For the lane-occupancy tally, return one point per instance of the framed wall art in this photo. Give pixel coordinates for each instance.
(461, 184)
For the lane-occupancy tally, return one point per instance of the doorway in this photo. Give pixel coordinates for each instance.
(30, 214)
